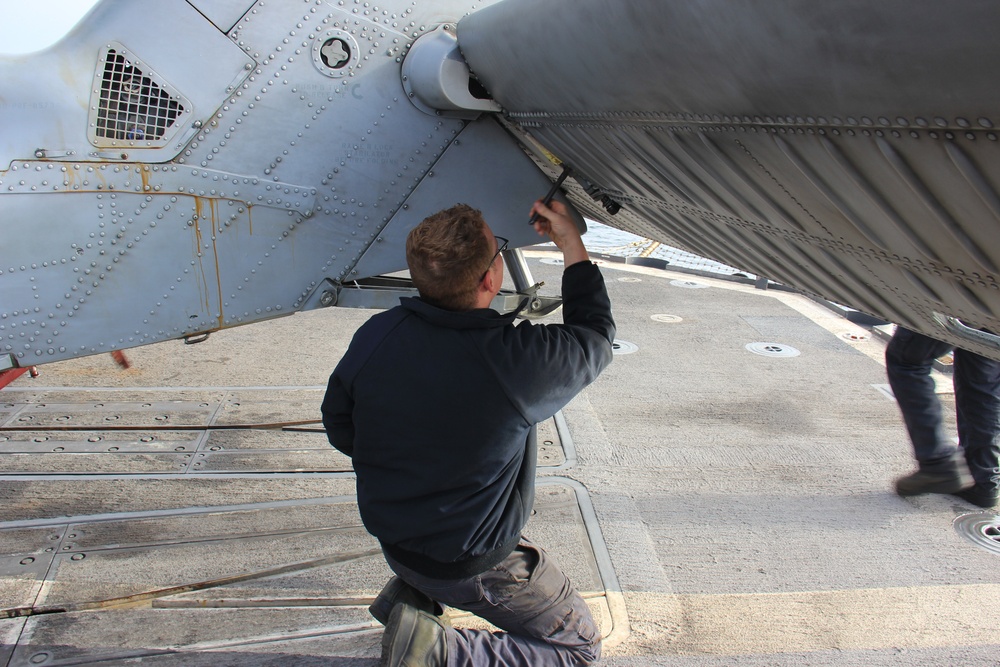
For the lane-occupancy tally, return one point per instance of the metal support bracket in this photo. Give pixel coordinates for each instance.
(956, 327)
(538, 306)
(384, 292)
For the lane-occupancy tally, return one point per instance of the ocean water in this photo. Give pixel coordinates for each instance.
(606, 240)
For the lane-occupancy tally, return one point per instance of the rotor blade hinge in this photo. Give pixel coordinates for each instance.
(437, 79)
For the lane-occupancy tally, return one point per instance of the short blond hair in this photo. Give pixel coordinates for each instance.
(447, 254)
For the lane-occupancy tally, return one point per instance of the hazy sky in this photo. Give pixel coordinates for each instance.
(30, 25)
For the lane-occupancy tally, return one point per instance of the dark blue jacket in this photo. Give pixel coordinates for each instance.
(437, 410)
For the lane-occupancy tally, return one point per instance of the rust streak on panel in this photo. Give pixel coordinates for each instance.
(199, 204)
(214, 208)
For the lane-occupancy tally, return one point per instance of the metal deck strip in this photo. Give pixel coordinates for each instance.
(183, 511)
(172, 475)
(197, 458)
(607, 583)
(102, 390)
(602, 558)
(566, 440)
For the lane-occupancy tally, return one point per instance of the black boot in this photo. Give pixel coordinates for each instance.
(980, 495)
(947, 476)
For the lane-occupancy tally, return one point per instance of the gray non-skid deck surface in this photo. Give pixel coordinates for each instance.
(717, 507)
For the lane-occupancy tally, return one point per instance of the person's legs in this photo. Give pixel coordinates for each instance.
(546, 620)
(908, 360)
(977, 407)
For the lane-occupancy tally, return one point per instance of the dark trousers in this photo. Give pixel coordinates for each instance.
(547, 622)
(908, 360)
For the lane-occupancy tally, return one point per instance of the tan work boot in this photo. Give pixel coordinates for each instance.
(414, 638)
(397, 590)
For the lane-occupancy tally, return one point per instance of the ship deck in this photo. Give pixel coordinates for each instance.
(721, 495)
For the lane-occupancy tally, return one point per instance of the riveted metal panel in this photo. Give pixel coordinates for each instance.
(218, 237)
(482, 157)
(300, 148)
(47, 95)
(223, 13)
(847, 149)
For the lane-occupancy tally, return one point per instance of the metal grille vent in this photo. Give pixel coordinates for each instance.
(131, 107)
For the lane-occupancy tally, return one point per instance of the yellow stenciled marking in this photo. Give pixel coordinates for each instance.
(552, 158)
(543, 151)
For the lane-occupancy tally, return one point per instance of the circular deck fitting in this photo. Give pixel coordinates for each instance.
(623, 347)
(666, 319)
(980, 528)
(629, 279)
(772, 349)
(854, 336)
(688, 284)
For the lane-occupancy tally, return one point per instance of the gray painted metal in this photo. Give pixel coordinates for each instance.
(47, 96)
(848, 149)
(288, 171)
(436, 78)
(223, 13)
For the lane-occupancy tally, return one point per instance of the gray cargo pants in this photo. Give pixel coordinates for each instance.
(546, 621)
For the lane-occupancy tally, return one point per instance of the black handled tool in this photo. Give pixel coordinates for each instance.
(552, 191)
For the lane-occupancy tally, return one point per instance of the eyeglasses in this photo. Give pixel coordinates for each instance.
(501, 246)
